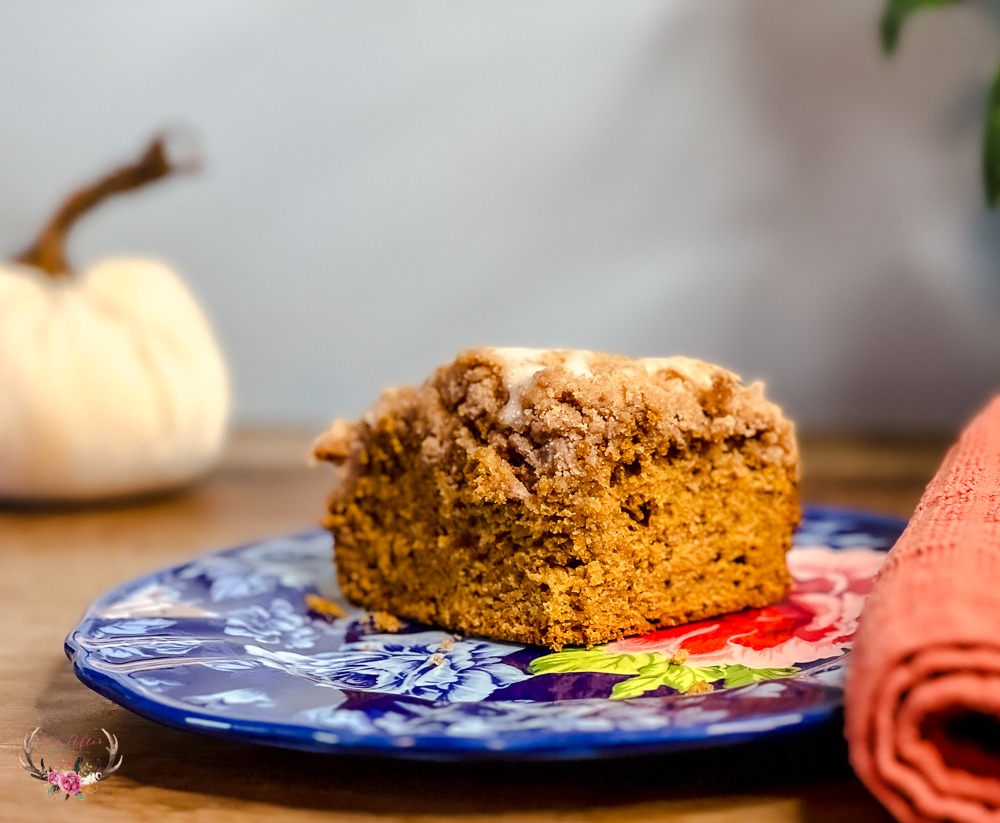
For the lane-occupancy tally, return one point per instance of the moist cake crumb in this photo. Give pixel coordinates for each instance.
(382, 621)
(324, 607)
(564, 497)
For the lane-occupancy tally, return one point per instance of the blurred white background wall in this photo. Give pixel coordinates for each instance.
(389, 182)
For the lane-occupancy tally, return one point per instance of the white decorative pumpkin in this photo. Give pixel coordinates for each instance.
(111, 382)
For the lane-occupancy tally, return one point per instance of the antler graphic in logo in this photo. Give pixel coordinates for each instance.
(78, 781)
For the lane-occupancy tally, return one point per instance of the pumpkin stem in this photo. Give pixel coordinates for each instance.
(48, 252)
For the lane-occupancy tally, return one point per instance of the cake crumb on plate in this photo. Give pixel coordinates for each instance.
(324, 607)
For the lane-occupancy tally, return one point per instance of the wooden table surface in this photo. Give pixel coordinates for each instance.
(57, 561)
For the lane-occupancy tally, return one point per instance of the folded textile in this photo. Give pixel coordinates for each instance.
(922, 699)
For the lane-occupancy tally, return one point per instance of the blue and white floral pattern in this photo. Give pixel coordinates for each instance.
(428, 665)
(288, 562)
(224, 644)
(220, 701)
(278, 624)
(543, 720)
(144, 627)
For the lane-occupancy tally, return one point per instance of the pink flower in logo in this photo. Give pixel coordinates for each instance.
(69, 782)
(817, 620)
(54, 778)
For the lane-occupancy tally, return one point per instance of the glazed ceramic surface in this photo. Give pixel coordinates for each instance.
(226, 645)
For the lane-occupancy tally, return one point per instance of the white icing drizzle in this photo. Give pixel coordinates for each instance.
(578, 362)
(697, 371)
(519, 369)
(520, 366)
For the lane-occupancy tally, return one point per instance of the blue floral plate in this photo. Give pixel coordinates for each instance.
(226, 645)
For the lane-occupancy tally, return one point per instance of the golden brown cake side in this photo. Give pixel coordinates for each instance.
(562, 497)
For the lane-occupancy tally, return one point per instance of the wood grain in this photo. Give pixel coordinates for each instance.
(56, 561)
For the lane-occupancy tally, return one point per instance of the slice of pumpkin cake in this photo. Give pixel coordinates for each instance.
(564, 497)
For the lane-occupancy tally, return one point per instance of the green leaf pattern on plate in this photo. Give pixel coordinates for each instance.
(652, 670)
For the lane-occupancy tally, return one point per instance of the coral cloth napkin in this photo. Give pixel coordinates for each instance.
(923, 691)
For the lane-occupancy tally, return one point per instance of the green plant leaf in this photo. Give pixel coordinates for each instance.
(737, 676)
(896, 13)
(991, 146)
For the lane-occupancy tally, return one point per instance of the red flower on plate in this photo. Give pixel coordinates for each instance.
(817, 620)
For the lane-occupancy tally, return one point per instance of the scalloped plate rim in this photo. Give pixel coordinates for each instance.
(529, 744)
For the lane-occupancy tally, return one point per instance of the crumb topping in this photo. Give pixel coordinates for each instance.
(529, 414)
